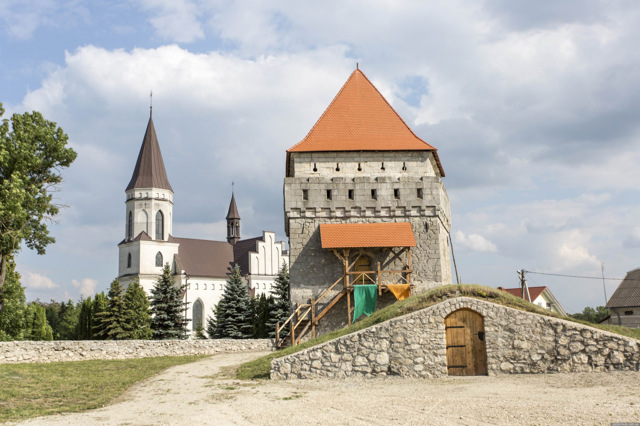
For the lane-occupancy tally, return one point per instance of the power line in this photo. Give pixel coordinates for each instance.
(579, 276)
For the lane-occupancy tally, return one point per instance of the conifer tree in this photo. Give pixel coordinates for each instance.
(37, 327)
(167, 308)
(282, 302)
(234, 318)
(84, 328)
(114, 319)
(98, 318)
(211, 321)
(12, 317)
(67, 321)
(137, 307)
(263, 311)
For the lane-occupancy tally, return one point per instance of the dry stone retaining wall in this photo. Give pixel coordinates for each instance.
(414, 345)
(35, 352)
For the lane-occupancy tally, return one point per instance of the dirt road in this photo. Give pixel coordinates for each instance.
(198, 394)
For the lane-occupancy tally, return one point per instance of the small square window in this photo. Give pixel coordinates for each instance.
(396, 193)
(351, 194)
(305, 194)
(328, 194)
(374, 194)
(628, 312)
(420, 194)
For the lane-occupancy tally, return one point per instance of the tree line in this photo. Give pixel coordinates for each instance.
(128, 313)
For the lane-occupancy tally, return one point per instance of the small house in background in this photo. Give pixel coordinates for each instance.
(624, 305)
(540, 296)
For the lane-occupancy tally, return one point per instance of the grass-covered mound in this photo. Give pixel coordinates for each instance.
(260, 368)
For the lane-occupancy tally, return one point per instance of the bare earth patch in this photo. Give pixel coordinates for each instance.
(204, 393)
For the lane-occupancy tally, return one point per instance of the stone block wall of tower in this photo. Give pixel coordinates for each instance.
(406, 188)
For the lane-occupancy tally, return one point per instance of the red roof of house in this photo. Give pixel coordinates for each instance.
(350, 235)
(360, 119)
(533, 291)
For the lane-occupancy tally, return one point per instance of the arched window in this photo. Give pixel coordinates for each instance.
(205, 286)
(159, 259)
(130, 226)
(197, 315)
(159, 225)
(129, 260)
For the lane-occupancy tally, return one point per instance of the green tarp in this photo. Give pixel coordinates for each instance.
(364, 300)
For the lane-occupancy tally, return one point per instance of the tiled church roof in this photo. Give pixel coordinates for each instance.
(204, 258)
(360, 119)
(149, 171)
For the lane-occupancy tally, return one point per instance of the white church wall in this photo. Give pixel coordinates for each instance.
(268, 256)
(206, 289)
(144, 204)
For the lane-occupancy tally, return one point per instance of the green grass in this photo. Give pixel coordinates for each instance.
(260, 368)
(32, 390)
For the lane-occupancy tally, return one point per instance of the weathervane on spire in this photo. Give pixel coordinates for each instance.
(232, 183)
(151, 103)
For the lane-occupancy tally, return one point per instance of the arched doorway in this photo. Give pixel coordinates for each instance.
(196, 322)
(466, 348)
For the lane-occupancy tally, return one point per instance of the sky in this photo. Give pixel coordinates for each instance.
(534, 108)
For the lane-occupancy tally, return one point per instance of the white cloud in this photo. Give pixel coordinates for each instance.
(34, 280)
(21, 18)
(87, 286)
(175, 20)
(474, 242)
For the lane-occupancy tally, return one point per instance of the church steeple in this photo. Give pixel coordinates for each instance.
(233, 222)
(149, 171)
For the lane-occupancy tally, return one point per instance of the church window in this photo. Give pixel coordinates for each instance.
(351, 194)
(420, 195)
(305, 194)
(159, 225)
(129, 260)
(159, 259)
(196, 286)
(396, 193)
(328, 194)
(130, 226)
(264, 286)
(374, 194)
(197, 315)
(204, 286)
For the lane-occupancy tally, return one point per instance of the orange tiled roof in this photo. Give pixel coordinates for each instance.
(350, 235)
(360, 119)
(533, 291)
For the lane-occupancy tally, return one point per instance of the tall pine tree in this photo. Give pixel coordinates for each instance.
(234, 316)
(167, 308)
(84, 328)
(115, 318)
(98, 319)
(282, 303)
(36, 325)
(137, 306)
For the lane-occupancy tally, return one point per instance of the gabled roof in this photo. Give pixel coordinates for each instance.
(233, 209)
(204, 258)
(149, 171)
(535, 292)
(352, 235)
(628, 292)
(360, 119)
(241, 251)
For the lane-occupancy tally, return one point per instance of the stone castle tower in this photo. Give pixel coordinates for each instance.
(361, 163)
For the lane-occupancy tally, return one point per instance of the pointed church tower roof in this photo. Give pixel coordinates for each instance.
(360, 119)
(233, 209)
(149, 171)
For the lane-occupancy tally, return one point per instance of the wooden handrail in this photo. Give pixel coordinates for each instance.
(324, 293)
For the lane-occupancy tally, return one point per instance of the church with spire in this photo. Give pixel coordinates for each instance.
(201, 265)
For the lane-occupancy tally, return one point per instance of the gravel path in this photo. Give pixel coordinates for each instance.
(198, 394)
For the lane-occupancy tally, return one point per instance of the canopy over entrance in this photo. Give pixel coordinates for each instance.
(361, 235)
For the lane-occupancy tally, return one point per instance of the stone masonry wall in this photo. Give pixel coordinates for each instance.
(414, 345)
(63, 350)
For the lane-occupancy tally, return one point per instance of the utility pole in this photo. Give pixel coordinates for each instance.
(523, 285)
(603, 286)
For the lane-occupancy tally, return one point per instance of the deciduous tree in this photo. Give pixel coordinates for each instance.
(32, 153)
(12, 317)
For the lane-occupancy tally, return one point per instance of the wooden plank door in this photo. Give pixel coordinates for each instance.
(466, 348)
